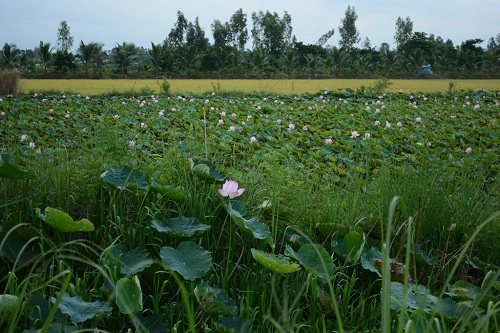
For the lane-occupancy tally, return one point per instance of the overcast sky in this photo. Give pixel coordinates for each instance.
(27, 22)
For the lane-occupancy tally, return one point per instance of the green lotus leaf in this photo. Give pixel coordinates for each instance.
(125, 178)
(367, 260)
(315, 259)
(129, 295)
(16, 249)
(8, 169)
(276, 263)
(207, 171)
(131, 262)
(174, 192)
(181, 227)
(80, 311)
(8, 305)
(189, 260)
(61, 221)
(349, 246)
(214, 301)
(421, 256)
(154, 323)
(253, 227)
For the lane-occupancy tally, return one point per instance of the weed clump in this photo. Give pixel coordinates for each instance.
(9, 82)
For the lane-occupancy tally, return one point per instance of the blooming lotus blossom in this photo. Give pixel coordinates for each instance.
(230, 189)
(221, 122)
(32, 145)
(305, 128)
(253, 139)
(291, 126)
(222, 114)
(418, 119)
(468, 150)
(367, 136)
(131, 143)
(328, 141)
(399, 124)
(231, 128)
(24, 137)
(377, 123)
(278, 121)
(354, 134)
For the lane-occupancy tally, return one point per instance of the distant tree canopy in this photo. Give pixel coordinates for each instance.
(187, 52)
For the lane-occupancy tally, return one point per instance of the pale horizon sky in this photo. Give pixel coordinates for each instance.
(27, 22)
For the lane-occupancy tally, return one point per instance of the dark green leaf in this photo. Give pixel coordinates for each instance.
(181, 227)
(214, 301)
(125, 178)
(10, 170)
(189, 260)
(80, 311)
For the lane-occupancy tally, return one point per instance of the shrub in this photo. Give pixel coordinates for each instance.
(165, 86)
(9, 82)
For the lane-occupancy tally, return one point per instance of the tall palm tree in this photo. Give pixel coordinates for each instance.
(389, 61)
(124, 56)
(259, 62)
(314, 64)
(92, 56)
(289, 60)
(9, 56)
(44, 51)
(338, 60)
(189, 58)
(157, 55)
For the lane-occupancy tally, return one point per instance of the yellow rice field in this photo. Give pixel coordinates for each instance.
(95, 87)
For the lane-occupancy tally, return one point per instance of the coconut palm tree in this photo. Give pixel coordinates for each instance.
(157, 55)
(44, 51)
(289, 61)
(9, 56)
(314, 64)
(189, 58)
(124, 56)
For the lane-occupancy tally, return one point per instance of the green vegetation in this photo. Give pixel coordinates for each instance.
(348, 211)
(187, 53)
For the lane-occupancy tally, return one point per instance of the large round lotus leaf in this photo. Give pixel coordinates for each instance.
(129, 295)
(80, 311)
(189, 260)
(125, 178)
(276, 263)
(315, 259)
(181, 227)
(8, 305)
(10, 170)
(214, 301)
(131, 262)
(61, 221)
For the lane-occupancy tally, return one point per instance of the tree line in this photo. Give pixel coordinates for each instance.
(187, 52)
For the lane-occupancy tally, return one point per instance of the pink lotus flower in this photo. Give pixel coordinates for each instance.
(230, 189)
(468, 150)
(354, 134)
(253, 139)
(328, 141)
(418, 119)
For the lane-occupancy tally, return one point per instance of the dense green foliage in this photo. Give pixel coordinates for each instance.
(112, 218)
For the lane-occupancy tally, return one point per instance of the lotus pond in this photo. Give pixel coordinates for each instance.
(339, 211)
